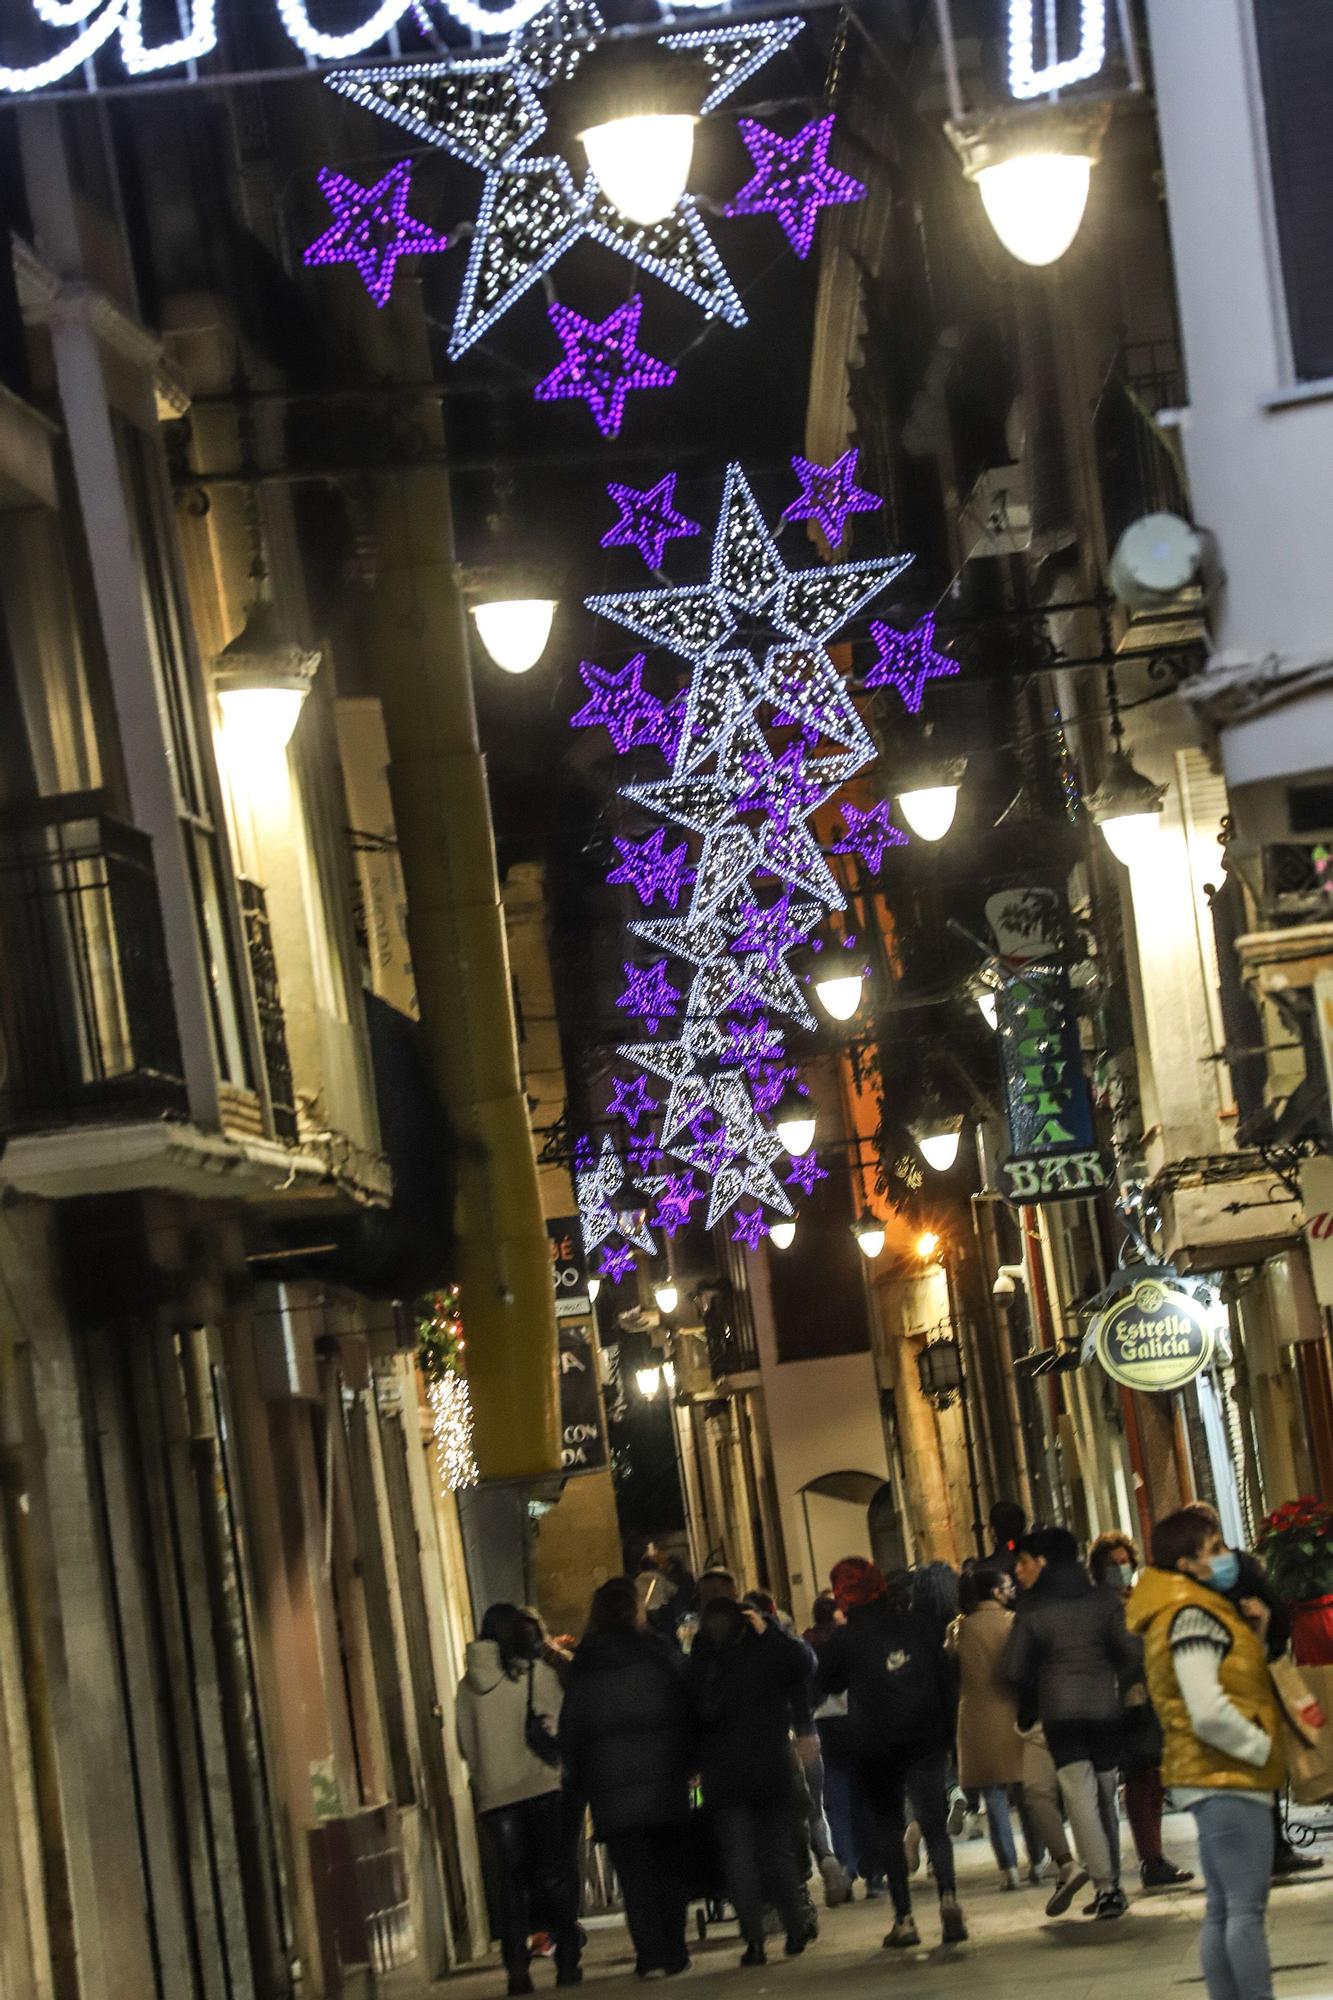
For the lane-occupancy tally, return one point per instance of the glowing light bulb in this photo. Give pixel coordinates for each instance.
(927, 1243)
(929, 812)
(794, 1123)
(869, 1232)
(1035, 202)
(782, 1235)
(939, 1145)
(642, 163)
(839, 993)
(667, 1295)
(648, 1381)
(514, 630)
(1132, 837)
(259, 720)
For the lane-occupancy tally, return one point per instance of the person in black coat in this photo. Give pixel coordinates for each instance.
(743, 1672)
(890, 1662)
(625, 1738)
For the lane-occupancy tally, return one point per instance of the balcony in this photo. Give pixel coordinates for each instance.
(1296, 882)
(268, 1005)
(86, 1017)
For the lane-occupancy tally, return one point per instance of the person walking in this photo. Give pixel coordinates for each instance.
(890, 1661)
(1208, 1677)
(1068, 1654)
(743, 1672)
(835, 1750)
(625, 1739)
(508, 1712)
(1113, 1564)
(990, 1754)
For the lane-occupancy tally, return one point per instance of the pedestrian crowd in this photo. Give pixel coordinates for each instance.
(723, 1755)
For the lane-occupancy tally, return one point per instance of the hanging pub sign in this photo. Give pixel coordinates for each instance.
(1153, 1334)
(582, 1435)
(1053, 1149)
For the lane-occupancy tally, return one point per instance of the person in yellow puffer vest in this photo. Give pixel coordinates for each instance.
(1207, 1671)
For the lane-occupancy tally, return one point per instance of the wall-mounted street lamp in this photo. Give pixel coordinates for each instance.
(648, 1381)
(666, 1294)
(870, 1233)
(939, 1367)
(262, 679)
(514, 630)
(794, 1122)
(937, 1141)
(1126, 805)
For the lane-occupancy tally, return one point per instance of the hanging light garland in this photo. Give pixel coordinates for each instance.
(440, 1348)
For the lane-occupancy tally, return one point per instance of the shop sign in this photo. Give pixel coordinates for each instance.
(1317, 1222)
(1053, 1150)
(568, 1268)
(1155, 1336)
(582, 1436)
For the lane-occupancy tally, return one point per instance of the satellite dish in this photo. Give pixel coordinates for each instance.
(1156, 559)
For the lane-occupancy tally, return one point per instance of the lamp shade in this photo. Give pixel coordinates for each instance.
(514, 630)
(1035, 202)
(1128, 809)
(642, 162)
(937, 1142)
(794, 1122)
(648, 1381)
(838, 990)
(869, 1232)
(930, 811)
(782, 1234)
(667, 1295)
(262, 679)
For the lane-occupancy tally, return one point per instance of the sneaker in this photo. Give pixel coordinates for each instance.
(1071, 1881)
(837, 1882)
(903, 1936)
(1036, 1873)
(957, 1815)
(1010, 1879)
(1287, 1862)
(796, 1944)
(1163, 1874)
(754, 1955)
(1110, 1904)
(912, 1847)
(953, 1929)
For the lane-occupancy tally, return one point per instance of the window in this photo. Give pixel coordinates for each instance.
(1295, 39)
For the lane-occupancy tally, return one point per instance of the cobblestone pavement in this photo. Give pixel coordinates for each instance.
(1015, 1953)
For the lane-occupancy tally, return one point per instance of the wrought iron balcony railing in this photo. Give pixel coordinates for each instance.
(1296, 882)
(87, 1023)
(268, 1001)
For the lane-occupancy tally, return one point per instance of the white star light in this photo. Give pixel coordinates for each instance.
(488, 112)
(724, 779)
(594, 1188)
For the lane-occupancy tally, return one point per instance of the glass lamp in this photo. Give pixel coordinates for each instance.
(869, 1232)
(783, 1234)
(262, 679)
(642, 162)
(514, 630)
(1033, 168)
(794, 1122)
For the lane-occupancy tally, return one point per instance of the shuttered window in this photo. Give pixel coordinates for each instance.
(1296, 63)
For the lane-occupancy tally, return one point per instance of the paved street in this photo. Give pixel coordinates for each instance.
(1014, 1953)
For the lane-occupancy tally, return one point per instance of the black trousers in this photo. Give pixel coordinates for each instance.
(650, 1861)
(532, 1868)
(759, 1858)
(888, 1787)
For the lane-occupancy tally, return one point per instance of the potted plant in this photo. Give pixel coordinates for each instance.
(1296, 1543)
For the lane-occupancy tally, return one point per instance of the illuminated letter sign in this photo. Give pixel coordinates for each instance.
(1025, 79)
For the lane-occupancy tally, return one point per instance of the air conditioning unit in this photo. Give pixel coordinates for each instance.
(997, 518)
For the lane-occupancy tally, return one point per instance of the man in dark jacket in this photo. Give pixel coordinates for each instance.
(889, 1660)
(743, 1671)
(1069, 1655)
(625, 1739)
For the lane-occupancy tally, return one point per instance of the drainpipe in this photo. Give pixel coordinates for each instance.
(455, 924)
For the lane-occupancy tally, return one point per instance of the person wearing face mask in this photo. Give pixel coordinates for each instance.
(1207, 1671)
(1113, 1564)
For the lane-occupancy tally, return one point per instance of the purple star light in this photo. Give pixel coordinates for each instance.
(806, 1173)
(602, 363)
(616, 1264)
(371, 228)
(828, 494)
(620, 704)
(907, 660)
(770, 932)
(651, 870)
(869, 833)
(751, 1044)
(751, 1228)
(630, 1100)
(793, 179)
(649, 995)
(678, 1194)
(648, 520)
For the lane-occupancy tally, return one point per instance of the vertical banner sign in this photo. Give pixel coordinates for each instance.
(1053, 1150)
(582, 1433)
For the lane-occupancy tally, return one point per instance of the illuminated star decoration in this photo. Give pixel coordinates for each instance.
(631, 1101)
(828, 494)
(617, 1263)
(806, 1173)
(869, 833)
(648, 520)
(371, 228)
(651, 870)
(793, 179)
(489, 112)
(620, 704)
(676, 1196)
(764, 733)
(602, 363)
(907, 660)
(649, 995)
(750, 1229)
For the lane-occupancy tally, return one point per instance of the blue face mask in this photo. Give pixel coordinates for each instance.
(1224, 1571)
(1122, 1574)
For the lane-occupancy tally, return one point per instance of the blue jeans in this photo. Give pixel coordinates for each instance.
(1236, 1852)
(999, 1825)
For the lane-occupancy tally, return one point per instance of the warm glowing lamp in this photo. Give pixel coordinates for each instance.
(514, 630)
(642, 162)
(782, 1234)
(869, 1232)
